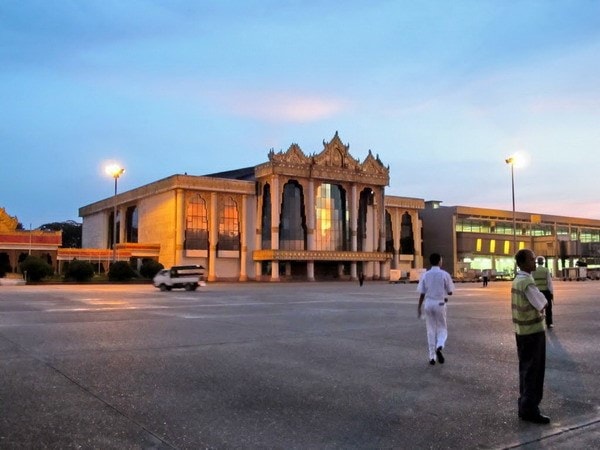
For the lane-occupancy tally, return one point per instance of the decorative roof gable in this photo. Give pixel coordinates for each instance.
(7, 223)
(374, 165)
(333, 163)
(336, 154)
(293, 155)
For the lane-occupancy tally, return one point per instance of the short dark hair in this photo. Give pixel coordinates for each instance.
(435, 259)
(521, 256)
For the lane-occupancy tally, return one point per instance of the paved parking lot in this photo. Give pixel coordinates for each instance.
(286, 365)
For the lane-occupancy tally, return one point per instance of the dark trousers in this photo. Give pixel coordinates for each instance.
(550, 299)
(531, 349)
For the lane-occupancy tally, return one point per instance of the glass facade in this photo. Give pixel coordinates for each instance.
(292, 227)
(331, 218)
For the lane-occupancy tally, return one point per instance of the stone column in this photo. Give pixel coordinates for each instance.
(383, 274)
(275, 206)
(179, 226)
(353, 228)
(213, 226)
(310, 228)
(258, 235)
(243, 239)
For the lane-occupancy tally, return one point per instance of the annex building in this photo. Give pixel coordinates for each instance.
(301, 216)
(474, 239)
(16, 244)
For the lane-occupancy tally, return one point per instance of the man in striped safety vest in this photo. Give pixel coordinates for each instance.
(543, 281)
(528, 305)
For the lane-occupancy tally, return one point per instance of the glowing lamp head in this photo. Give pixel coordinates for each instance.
(114, 170)
(518, 160)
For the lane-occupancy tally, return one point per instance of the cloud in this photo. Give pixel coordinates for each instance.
(283, 107)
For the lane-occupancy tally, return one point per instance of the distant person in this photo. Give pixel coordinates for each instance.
(485, 277)
(528, 305)
(361, 278)
(543, 281)
(434, 287)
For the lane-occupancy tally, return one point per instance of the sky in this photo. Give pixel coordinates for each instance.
(442, 91)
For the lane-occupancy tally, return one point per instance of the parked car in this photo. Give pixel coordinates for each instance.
(186, 277)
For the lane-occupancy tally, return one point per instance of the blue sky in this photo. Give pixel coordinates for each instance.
(442, 91)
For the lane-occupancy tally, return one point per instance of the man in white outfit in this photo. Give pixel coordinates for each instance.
(434, 286)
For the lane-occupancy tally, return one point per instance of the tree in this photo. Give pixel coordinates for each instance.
(150, 268)
(120, 271)
(71, 232)
(36, 268)
(79, 271)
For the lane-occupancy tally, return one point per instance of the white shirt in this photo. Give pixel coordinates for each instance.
(533, 294)
(436, 284)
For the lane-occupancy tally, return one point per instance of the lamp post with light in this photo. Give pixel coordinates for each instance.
(114, 171)
(511, 161)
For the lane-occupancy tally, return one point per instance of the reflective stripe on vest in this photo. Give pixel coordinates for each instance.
(540, 275)
(526, 319)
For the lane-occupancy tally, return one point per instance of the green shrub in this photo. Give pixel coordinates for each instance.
(36, 268)
(120, 271)
(150, 268)
(79, 271)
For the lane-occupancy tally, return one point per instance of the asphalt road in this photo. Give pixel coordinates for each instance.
(285, 365)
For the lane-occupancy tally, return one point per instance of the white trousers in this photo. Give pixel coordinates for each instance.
(435, 319)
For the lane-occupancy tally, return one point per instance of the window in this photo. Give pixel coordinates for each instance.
(111, 230)
(131, 224)
(292, 228)
(407, 241)
(229, 226)
(492, 245)
(196, 225)
(266, 218)
(331, 218)
(389, 233)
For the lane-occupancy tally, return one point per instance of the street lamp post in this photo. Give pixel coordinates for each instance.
(114, 171)
(511, 161)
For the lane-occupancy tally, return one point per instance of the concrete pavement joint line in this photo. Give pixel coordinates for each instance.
(212, 304)
(89, 392)
(556, 433)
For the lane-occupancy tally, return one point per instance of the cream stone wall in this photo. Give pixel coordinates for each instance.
(94, 231)
(157, 216)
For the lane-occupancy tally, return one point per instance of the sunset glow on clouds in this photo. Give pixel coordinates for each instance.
(285, 108)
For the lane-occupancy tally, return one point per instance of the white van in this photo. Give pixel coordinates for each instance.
(187, 277)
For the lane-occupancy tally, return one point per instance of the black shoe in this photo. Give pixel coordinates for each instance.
(439, 355)
(432, 362)
(535, 418)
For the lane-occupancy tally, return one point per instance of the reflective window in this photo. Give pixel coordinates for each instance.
(196, 224)
(331, 218)
(292, 228)
(229, 226)
(131, 224)
(266, 217)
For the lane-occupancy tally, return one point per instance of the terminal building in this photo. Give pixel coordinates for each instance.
(476, 239)
(318, 216)
(300, 216)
